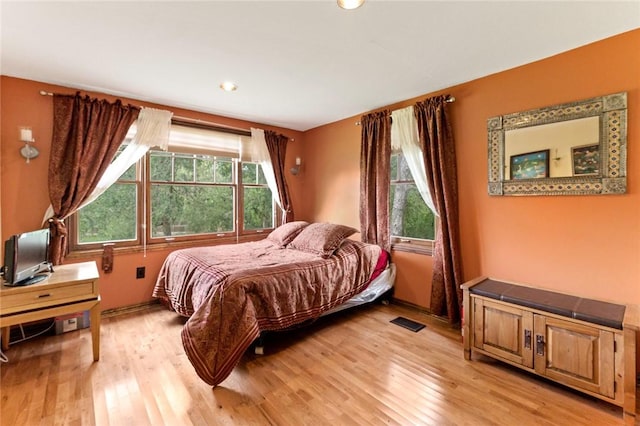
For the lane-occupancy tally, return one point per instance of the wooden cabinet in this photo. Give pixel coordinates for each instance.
(577, 354)
(538, 332)
(71, 288)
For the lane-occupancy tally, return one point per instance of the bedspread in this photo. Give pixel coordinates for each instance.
(231, 293)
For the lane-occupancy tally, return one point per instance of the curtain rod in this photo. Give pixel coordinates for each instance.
(45, 93)
(449, 100)
(215, 126)
(209, 125)
(186, 120)
(192, 121)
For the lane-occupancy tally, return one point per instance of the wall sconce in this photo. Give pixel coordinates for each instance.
(296, 169)
(28, 151)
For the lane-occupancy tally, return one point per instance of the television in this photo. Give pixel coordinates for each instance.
(25, 256)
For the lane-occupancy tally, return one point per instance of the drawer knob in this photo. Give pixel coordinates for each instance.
(40, 296)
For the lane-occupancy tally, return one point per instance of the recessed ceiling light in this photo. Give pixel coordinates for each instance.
(228, 86)
(350, 4)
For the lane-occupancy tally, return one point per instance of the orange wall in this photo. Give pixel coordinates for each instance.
(585, 245)
(24, 190)
(332, 174)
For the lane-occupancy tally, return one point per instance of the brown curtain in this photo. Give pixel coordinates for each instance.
(277, 146)
(436, 140)
(86, 135)
(375, 158)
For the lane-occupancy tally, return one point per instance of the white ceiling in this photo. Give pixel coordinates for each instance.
(298, 64)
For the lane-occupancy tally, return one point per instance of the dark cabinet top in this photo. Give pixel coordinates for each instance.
(589, 310)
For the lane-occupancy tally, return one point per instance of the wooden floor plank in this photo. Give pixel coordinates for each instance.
(353, 368)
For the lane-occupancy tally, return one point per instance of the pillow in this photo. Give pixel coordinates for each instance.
(321, 238)
(283, 234)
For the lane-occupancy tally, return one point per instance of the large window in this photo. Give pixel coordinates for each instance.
(411, 220)
(178, 196)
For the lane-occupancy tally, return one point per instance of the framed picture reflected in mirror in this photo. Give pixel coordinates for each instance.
(585, 160)
(530, 165)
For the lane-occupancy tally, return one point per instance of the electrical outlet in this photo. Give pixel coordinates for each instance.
(140, 272)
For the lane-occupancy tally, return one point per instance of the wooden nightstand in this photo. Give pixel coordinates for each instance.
(70, 288)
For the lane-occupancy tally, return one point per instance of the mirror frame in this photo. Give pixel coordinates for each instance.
(612, 111)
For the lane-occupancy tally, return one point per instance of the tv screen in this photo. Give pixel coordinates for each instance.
(25, 256)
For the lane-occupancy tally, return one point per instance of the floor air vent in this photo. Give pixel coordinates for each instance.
(409, 324)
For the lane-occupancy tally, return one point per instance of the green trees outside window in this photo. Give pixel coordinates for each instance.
(190, 194)
(258, 201)
(409, 215)
(112, 217)
(190, 209)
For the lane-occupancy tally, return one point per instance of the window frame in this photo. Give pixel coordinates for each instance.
(143, 215)
(73, 222)
(277, 214)
(151, 240)
(410, 244)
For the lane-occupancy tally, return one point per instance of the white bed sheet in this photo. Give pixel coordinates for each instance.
(380, 285)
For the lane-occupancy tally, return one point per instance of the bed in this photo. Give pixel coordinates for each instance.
(232, 293)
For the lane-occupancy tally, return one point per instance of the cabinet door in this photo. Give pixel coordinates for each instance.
(504, 331)
(575, 354)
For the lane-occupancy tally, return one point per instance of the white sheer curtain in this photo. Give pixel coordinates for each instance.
(151, 129)
(256, 151)
(404, 137)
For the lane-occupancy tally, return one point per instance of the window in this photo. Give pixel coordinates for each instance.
(190, 194)
(114, 215)
(186, 194)
(258, 211)
(412, 222)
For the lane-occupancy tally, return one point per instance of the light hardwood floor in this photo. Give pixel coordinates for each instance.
(352, 368)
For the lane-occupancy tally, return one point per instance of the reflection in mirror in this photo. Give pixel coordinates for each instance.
(560, 139)
(567, 149)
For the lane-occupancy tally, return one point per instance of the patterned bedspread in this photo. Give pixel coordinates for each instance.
(233, 292)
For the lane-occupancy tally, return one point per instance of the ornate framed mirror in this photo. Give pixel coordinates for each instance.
(575, 148)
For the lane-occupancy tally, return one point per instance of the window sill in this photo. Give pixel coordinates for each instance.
(77, 254)
(408, 247)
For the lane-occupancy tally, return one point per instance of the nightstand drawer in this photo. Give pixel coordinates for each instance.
(46, 296)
